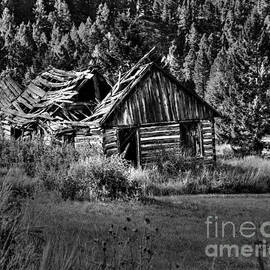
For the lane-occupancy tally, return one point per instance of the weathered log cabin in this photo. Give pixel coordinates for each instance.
(55, 102)
(149, 111)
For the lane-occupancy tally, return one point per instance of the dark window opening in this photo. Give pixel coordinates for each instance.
(191, 139)
(128, 144)
(87, 92)
(16, 133)
(91, 92)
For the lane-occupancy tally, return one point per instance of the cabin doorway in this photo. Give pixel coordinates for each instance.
(128, 144)
(190, 136)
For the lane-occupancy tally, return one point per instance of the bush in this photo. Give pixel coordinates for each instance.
(36, 158)
(99, 178)
(170, 163)
(21, 184)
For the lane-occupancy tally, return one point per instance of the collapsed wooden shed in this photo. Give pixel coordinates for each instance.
(9, 91)
(149, 112)
(55, 102)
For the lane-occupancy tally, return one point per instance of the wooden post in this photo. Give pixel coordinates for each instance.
(118, 140)
(201, 138)
(214, 140)
(103, 141)
(180, 139)
(138, 136)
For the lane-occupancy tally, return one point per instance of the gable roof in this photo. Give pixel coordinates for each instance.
(125, 86)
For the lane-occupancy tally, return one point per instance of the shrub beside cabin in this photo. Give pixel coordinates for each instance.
(148, 112)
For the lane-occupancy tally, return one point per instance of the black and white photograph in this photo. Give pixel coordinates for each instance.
(134, 134)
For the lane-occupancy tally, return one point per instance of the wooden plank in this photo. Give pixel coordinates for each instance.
(163, 127)
(25, 103)
(173, 103)
(154, 99)
(36, 90)
(161, 138)
(208, 147)
(214, 142)
(164, 94)
(159, 153)
(208, 136)
(110, 132)
(110, 146)
(160, 133)
(110, 139)
(151, 108)
(167, 140)
(150, 147)
(139, 150)
(111, 152)
(144, 111)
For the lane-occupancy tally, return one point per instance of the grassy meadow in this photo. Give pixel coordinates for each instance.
(63, 209)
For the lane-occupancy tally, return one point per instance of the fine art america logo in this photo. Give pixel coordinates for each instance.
(221, 230)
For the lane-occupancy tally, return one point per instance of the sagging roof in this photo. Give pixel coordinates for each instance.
(53, 96)
(9, 91)
(125, 85)
(54, 85)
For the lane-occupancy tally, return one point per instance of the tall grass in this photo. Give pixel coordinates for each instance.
(89, 175)
(245, 175)
(27, 169)
(23, 245)
(17, 248)
(119, 247)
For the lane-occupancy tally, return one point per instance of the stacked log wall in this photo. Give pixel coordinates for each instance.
(5, 130)
(154, 140)
(85, 139)
(110, 142)
(208, 140)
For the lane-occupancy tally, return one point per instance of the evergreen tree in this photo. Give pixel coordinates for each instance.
(41, 44)
(263, 7)
(41, 18)
(103, 18)
(165, 15)
(6, 22)
(67, 53)
(238, 87)
(189, 64)
(229, 35)
(183, 18)
(173, 61)
(54, 51)
(201, 68)
(213, 47)
(193, 38)
(62, 16)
